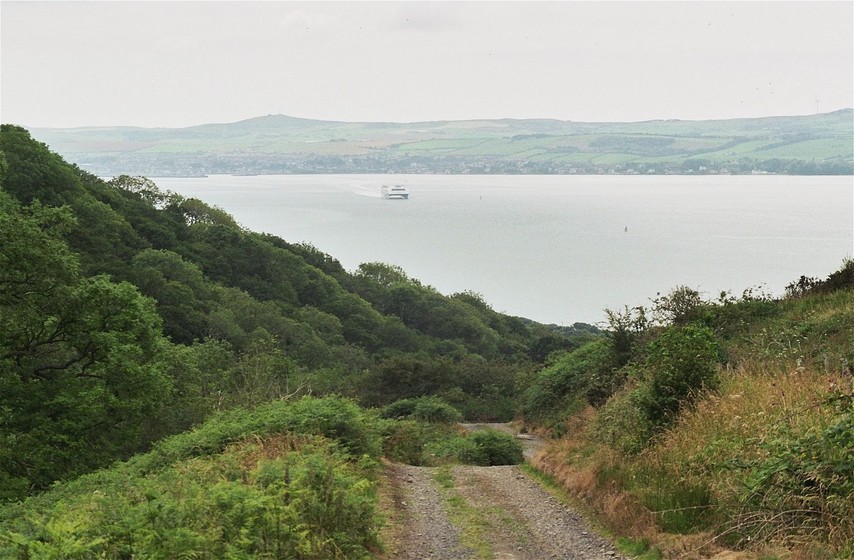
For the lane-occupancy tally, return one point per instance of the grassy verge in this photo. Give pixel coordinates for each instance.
(759, 465)
(754, 461)
(639, 548)
(472, 523)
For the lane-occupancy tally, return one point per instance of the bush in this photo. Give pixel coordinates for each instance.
(279, 496)
(622, 423)
(448, 450)
(419, 443)
(575, 379)
(681, 363)
(427, 409)
(426, 444)
(336, 418)
(491, 447)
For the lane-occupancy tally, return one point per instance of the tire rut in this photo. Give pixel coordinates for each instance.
(516, 517)
(528, 523)
(423, 530)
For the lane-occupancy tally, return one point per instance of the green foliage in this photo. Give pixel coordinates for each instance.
(34, 172)
(576, 379)
(679, 307)
(622, 422)
(421, 443)
(639, 549)
(680, 364)
(560, 340)
(268, 497)
(99, 234)
(286, 479)
(803, 481)
(332, 417)
(87, 350)
(179, 288)
(427, 409)
(490, 448)
(432, 444)
(624, 329)
(383, 274)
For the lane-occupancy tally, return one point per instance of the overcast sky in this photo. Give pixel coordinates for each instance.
(176, 64)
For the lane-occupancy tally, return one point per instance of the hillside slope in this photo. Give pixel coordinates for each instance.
(701, 424)
(813, 144)
(129, 313)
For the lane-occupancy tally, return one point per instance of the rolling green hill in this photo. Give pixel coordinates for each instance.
(813, 144)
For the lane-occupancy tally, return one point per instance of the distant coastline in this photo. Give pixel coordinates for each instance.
(821, 144)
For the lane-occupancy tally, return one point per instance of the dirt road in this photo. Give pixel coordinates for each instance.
(465, 512)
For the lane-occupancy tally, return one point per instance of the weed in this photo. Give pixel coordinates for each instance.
(639, 549)
(471, 522)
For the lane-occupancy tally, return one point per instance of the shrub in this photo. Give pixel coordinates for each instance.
(680, 363)
(427, 409)
(336, 418)
(280, 496)
(568, 385)
(453, 448)
(490, 448)
(403, 441)
(622, 423)
(679, 307)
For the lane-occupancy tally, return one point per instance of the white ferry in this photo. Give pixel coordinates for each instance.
(399, 192)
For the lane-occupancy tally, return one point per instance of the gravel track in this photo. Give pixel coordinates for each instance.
(424, 531)
(518, 519)
(528, 522)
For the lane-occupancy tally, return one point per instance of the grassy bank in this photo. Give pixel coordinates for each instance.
(758, 458)
(287, 479)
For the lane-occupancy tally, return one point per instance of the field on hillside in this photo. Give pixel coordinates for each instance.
(814, 144)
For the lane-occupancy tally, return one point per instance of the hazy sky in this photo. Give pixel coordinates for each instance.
(184, 63)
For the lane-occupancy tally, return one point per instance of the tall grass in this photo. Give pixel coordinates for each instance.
(766, 461)
(763, 463)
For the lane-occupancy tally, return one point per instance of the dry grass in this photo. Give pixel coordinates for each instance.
(256, 448)
(586, 470)
(734, 422)
(720, 429)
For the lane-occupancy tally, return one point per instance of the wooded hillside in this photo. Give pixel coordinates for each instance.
(129, 313)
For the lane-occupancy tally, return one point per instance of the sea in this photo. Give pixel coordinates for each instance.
(557, 249)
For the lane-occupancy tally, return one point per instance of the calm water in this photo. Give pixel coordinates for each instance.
(558, 249)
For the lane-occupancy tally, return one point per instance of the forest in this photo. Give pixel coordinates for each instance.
(174, 385)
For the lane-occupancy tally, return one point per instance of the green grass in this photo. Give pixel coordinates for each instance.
(809, 149)
(639, 549)
(471, 522)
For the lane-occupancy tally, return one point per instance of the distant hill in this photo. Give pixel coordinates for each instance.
(274, 144)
